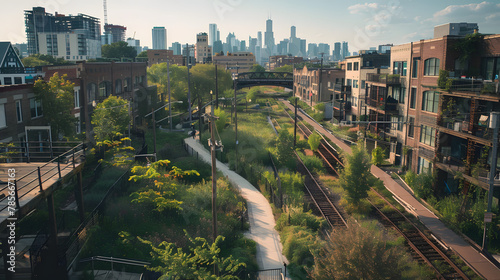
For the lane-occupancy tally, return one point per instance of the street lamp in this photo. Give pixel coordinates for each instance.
(153, 111)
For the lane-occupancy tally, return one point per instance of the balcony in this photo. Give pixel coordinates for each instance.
(383, 79)
(462, 128)
(341, 104)
(386, 105)
(473, 86)
(339, 88)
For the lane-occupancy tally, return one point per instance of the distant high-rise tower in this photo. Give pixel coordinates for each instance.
(259, 39)
(159, 38)
(177, 48)
(293, 32)
(113, 33)
(269, 37)
(345, 50)
(212, 34)
(336, 52)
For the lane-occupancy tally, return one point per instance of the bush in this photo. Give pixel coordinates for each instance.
(313, 163)
(378, 156)
(314, 141)
(296, 217)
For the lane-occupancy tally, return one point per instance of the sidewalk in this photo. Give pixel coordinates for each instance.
(259, 213)
(475, 259)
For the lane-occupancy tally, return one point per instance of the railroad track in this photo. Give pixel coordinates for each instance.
(320, 199)
(422, 248)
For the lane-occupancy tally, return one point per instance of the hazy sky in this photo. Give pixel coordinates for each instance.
(361, 23)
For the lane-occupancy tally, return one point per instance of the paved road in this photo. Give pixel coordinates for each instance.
(260, 214)
(475, 259)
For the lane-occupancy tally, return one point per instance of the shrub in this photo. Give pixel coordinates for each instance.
(378, 156)
(314, 141)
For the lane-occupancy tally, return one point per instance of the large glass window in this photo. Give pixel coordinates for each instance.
(428, 135)
(491, 68)
(348, 82)
(349, 66)
(414, 71)
(19, 111)
(399, 67)
(413, 98)
(424, 166)
(35, 108)
(118, 86)
(431, 67)
(430, 101)
(411, 127)
(3, 122)
(77, 98)
(399, 94)
(355, 83)
(91, 92)
(397, 123)
(356, 66)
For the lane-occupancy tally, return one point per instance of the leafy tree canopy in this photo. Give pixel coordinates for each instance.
(355, 178)
(197, 263)
(257, 68)
(42, 60)
(118, 50)
(143, 54)
(110, 118)
(57, 98)
(285, 68)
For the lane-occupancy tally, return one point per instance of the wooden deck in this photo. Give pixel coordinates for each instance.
(24, 185)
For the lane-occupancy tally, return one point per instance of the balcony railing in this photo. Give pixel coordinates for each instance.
(383, 78)
(383, 105)
(476, 86)
(341, 88)
(463, 126)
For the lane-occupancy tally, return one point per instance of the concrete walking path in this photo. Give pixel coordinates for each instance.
(260, 214)
(474, 258)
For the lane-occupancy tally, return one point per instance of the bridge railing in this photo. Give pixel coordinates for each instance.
(38, 176)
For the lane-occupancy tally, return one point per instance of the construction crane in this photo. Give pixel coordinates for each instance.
(105, 12)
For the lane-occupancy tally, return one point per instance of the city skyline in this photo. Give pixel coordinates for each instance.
(362, 24)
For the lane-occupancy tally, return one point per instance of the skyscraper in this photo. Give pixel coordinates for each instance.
(345, 50)
(113, 33)
(212, 33)
(336, 52)
(176, 47)
(259, 39)
(269, 37)
(159, 38)
(293, 32)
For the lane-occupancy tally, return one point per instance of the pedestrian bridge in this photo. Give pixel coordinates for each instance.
(251, 79)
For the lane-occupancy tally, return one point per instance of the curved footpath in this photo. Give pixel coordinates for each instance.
(260, 214)
(475, 259)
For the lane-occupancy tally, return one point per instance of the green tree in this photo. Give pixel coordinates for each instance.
(57, 98)
(160, 188)
(284, 147)
(223, 119)
(355, 178)
(285, 68)
(197, 263)
(42, 60)
(364, 252)
(252, 95)
(257, 68)
(314, 140)
(118, 50)
(378, 156)
(110, 118)
(143, 54)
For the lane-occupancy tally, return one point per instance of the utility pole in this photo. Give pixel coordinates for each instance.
(168, 89)
(320, 77)
(235, 126)
(494, 123)
(189, 84)
(295, 125)
(154, 131)
(214, 175)
(199, 113)
(216, 89)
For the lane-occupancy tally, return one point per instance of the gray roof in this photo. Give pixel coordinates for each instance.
(4, 46)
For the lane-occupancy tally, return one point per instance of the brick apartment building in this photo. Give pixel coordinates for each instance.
(95, 81)
(161, 56)
(277, 61)
(444, 127)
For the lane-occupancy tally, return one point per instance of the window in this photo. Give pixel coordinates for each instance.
(414, 71)
(411, 127)
(7, 81)
(424, 166)
(428, 135)
(348, 82)
(104, 89)
(355, 83)
(18, 80)
(349, 66)
(397, 123)
(491, 68)
(402, 97)
(430, 100)
(413, 97)
(35, 108)
(77, 98)
(356, 66)
(91, 92)
(118, 86)
(3, 122)
(431, 67)
(405, 66)
(399, 94)
(363, 84)
(19, 111)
